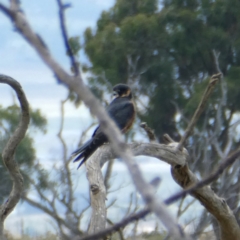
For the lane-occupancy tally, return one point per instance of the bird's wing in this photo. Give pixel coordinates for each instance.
(122, 112)
(82, 148)
(85, 151)
(95, 131)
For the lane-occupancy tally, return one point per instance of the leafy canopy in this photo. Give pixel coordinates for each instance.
(25, 153)
(165, 52)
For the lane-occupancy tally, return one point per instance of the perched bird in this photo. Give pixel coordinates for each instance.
(122, 112)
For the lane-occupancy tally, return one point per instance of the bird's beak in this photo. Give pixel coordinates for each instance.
(115, 94)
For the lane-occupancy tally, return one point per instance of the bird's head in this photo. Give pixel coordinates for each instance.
(122, 90)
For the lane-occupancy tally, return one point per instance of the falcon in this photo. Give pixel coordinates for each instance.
(121, 110)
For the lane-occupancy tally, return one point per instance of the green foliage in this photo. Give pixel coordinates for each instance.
(165, 53)
(38, 121)
(123, 8)
(25, 152)
(74, 43)
(43, 179)
(233, 91)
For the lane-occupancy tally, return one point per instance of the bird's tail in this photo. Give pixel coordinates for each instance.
(87, 149)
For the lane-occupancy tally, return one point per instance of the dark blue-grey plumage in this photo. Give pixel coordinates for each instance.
(121, 110)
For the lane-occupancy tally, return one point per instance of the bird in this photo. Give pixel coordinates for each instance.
(121, 110)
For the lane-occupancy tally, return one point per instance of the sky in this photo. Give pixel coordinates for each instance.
(20, 61)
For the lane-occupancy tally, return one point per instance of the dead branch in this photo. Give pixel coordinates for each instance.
(97, 192)
(187, 180)
(217, 206)
(62, 7)
(182, 211)
(53, 213)
(117, 226)
(9, 151)
(149, 131)
(167, 153)
(214, 79)
(216, 174)
(66, 161)
(71, 220)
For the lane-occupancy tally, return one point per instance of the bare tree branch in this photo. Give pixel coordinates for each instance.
(62, 8)
(167, 153)
(59, 194)
(214, 79)
(117, 226)
(66, 170)
(217, 206)
(149, 131)
(53, 214)
(186, 179)
(97, 192)
(212, 177)
(182, 211)
(9, 151)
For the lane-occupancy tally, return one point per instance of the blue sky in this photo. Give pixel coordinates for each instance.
(20, 61)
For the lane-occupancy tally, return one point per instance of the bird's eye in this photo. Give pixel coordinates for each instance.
(115, 94)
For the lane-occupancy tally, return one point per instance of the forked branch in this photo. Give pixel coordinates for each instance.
(213, 81)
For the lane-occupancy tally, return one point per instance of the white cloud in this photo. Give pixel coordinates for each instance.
(33, 225)
(103, 4)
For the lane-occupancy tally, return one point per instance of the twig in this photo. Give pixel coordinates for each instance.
(149, 132)
(62, 8)
(52, 212)
(216, 62)
(220, 116)
(117, 226)
(167, 139)
(6, 10)
(182, 211)
(228, 161)
(120, 231)
(9, 151)
(66, 171)
(214, 79)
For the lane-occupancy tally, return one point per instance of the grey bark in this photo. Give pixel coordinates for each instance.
(229, 228)
(8, 153)
(97, 192)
